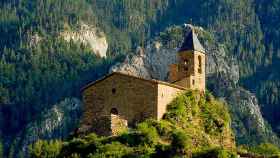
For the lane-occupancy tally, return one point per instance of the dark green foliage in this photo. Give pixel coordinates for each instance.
(265, 82)
(1, 149)
(45, 149)
(269, 150)
(181, 142)
(215, 153)
(82, 147)
(172, 37)
(115, 149)
(214, 121)
(148, 134)
(192, 105)
(12, 152)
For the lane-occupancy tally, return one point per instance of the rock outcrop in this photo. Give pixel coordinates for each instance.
(150, 63)
(56, 123)
(90, 36)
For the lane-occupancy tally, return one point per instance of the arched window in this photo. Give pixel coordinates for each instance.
(186, 62)
(186, 65)
(114, 90)
(114, 111)
(199, 64)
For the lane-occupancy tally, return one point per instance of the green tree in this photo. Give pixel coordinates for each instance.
(1, 149)
(45, 149)
(12, 151)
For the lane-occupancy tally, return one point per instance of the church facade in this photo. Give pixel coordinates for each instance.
(118, 100)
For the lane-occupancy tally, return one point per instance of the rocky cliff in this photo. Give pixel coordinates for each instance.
(90, 36)
(222, 80)
(55, 123)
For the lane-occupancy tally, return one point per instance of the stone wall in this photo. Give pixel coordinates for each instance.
(118, 124)
(165, 95)
(199, 75)
(135, 99)
(173, 73)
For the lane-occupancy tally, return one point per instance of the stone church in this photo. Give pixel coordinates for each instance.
(118, 100)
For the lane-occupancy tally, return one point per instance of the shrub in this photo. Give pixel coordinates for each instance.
(45, 149)
(131, 139)
(266, 149)
(215, 153)
(83, 147)
(181, 142)
(164, 127)
(215, 117)
(182, 108)
(148, 134)
(115, 149)
(162, 150)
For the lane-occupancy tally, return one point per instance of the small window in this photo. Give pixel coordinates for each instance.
(199, 64)
(186, 65)
(193, 82)
(114, 90)
(114, 111)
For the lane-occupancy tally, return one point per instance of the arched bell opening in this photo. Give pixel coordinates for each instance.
(114, 111)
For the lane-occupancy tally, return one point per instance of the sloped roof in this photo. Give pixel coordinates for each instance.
(192, 43)
(139, 78)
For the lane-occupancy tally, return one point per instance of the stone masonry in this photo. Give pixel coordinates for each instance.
(131, 98)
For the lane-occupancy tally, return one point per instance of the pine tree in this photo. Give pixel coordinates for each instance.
(1, 149)
(11, 151)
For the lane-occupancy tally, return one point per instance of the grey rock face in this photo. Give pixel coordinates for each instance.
(218, 63)
(150, 63)
(90, 36)
(56, 123)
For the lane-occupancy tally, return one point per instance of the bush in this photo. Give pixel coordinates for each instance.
(45, 149)
(148, 134)
(162, 150)
(115, 149)
(182, 108)
(83, 147)
(215, 153)
(131, 139)
(181, 142)
(266, 149)
(164, 127)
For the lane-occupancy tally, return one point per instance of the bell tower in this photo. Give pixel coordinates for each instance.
(189, 72)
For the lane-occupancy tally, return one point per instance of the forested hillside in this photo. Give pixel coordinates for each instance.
(265, 82)
(39, 69)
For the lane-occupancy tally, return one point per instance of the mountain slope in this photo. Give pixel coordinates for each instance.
(34, 76)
